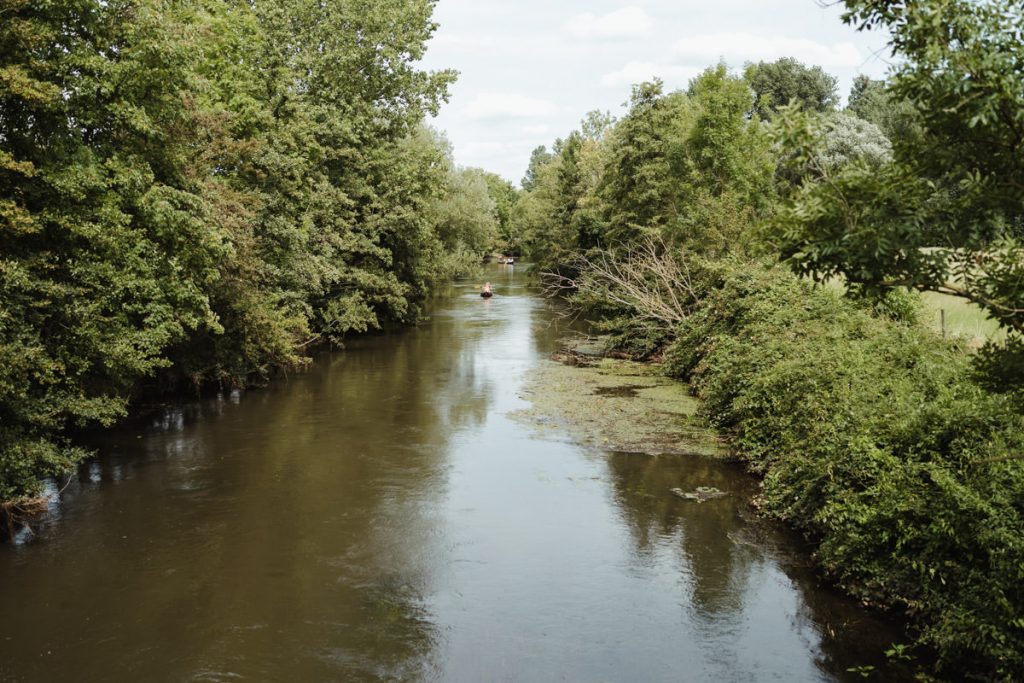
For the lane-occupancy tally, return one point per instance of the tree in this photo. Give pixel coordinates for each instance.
(839, 140)
(848, 138)
(561, 213)
(874, 102)
(466, 216)
(787, 81)
(596, 124)
(644, 163)
(199, 190)
(109, 245)
(504, 195)
(727, 167)
(538, 158)
(945, 215)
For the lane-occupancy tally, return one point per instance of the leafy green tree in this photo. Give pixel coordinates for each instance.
(548, 213)
(533, 216)
(689, 166)
(538, 158)
(198, 191)
(874, 102)
(788, 81)
(563, 212)
(685, 167)
(109, 245)
(727, 167)
(504, 195)
(596, 124)
(353, 66)
(645, 160)
(726, 151)
(466, 216)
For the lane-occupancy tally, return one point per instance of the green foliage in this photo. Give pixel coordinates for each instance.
(728, 166)
(897, 452)
(108, 245)
(847, 138)
(819, 147)
(504, 195)
(194, 192)
(874, 440)
(690, 168)
(466, 216)
(788, 82)
(645, 158)
(945, 214)
(874, 102)
(539, 158)
(562, 214)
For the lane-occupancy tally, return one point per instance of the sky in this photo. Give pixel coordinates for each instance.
(531, 69)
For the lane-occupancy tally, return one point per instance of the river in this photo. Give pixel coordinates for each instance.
(383, 516)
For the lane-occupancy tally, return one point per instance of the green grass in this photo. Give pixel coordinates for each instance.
(963, 318)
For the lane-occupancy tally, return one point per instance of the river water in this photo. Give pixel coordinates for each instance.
(384, 517)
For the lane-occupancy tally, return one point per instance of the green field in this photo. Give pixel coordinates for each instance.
(963, 318)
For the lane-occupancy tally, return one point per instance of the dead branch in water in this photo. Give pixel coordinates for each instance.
(648, 278)
(16, 513)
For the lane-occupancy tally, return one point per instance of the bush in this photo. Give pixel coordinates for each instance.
(874, 439)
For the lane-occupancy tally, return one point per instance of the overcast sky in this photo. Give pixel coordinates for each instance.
(530, 69)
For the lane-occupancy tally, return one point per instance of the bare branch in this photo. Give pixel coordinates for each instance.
(650, 279)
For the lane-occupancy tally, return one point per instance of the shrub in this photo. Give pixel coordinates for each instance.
(874, 439)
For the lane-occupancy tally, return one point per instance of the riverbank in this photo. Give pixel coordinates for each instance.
(875, 440)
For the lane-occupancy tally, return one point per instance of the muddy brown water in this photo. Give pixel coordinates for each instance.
(382, 517)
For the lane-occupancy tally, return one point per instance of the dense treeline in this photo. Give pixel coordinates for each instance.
(198, 191)
(898, 452)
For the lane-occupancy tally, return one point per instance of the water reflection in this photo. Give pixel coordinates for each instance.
(381, 517)
(746, 590)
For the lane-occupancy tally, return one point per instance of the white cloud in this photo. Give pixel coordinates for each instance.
(541, 129)
(490, 106)
(462, 42)
(638, 72)
(740, 47)
(628, 22)
(484, 148)
(506, 158)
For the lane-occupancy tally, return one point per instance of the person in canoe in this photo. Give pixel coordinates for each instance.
(487, 293)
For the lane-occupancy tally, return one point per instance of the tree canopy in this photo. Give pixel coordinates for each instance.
(196, 192)
(786, 82)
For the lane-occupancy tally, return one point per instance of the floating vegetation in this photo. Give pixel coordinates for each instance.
(616, 404)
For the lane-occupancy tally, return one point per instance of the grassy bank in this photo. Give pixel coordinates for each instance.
(874, 440)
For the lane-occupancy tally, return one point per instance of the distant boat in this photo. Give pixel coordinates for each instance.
(506, 260)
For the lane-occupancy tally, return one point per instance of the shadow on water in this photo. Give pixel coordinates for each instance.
(380, 517)
(740, 571)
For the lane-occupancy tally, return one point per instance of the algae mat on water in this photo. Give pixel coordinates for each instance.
(618, 405)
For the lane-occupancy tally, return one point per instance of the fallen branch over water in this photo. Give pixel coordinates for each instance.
(651, 279)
